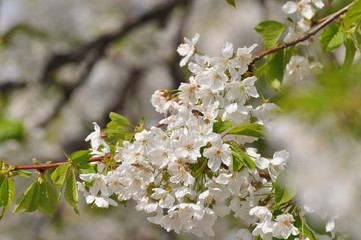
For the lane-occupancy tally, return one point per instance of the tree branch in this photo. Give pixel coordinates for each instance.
(53, 165)
(304, 37)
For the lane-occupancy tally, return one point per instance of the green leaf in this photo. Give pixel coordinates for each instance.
(271, 31)
(237, 161)
(352, 14)
(240, 159)
(86, 168)
(251, 130)
(231, 2)
(80, 157)
(59, 174)
(49, 200)
(2, 178)
(220, 126)
(316, 223)
(23, 173)
(118, 133)
(350, 54)
(283, 193)
(201, 168)
(7, 192)
(274, 68)
(7, 195)
(29, 200)
(331, 37)
(118, 121)
(11, 130)
(303, 228)
(71, 193)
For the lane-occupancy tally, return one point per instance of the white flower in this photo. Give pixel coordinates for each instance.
(318, 3)
(302, 6)
(264, 224)
(179, 174)
(165, 199)
(297, 29)
(188, 146)
(187, 49)
(297, 68)
(217, 154)
(243, 58)
(330, 225)
(266, 112)
(283, 227)
(95, 138)
(275, 165)
(98, 183)
(159, 101)
(101, 201)
(244, 234)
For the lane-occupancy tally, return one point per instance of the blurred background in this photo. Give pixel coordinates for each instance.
(65, 64)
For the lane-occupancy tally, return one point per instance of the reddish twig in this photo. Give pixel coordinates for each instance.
(304, 37)
(54, 165)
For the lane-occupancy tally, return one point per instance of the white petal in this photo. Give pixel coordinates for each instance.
(262, 163)
(227, 50)
(307, 11)
(289, 7)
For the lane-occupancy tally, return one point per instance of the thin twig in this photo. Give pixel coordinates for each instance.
(305, 36)
(54, 165)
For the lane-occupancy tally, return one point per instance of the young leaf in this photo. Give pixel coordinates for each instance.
(201, 168)
(283, 193)
(303, 228)
(23, 173)
(274, 68)
(220, 126)
(271, 31)
(7, 192)
(251, 130)
(332, 37)
(240, 158)
(118, 121)
(231, 2)
(29, 200)
(71, 193)
(350, 54)
(86, 168)
(237, 161)
(80, 157)
(316, 223)
(352, 14)
(59, 174)
(2, 178)
(49, 200)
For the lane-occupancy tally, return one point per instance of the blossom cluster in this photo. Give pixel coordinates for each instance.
(183, 171)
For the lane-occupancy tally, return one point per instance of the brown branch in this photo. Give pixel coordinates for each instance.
(305, 36)
(53, 165)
